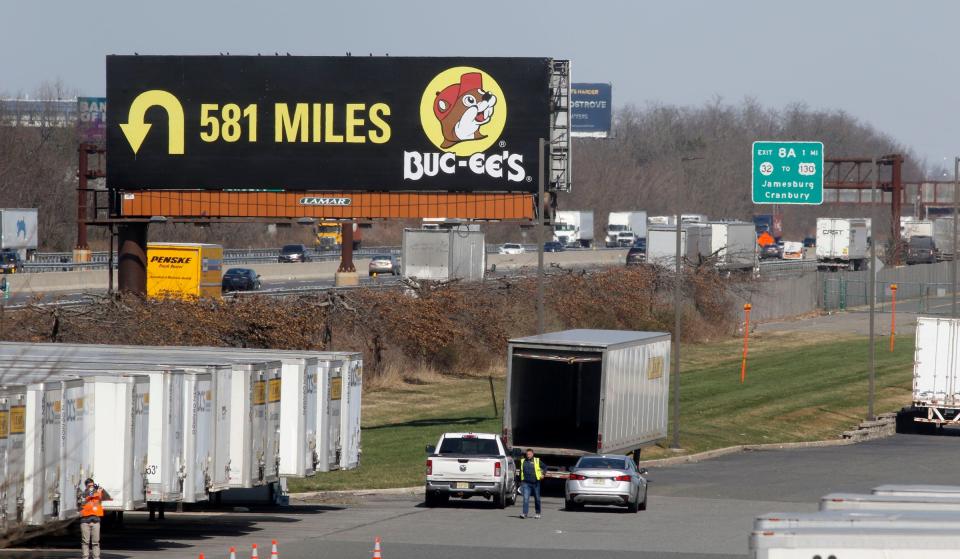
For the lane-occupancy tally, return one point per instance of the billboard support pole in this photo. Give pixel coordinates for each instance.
(871, 378)
(540, 206)
(132, 258)
(347, 272)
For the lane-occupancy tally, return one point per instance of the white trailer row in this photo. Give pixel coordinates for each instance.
(166, 424)
(893, 521)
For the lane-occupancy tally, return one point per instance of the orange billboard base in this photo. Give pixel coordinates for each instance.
(327, 205)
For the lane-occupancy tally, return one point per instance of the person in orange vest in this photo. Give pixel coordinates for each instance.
(91, 511)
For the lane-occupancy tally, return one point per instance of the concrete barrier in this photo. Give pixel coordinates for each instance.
(93, 280)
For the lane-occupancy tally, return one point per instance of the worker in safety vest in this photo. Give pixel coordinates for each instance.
(90, 503)
(531, 472)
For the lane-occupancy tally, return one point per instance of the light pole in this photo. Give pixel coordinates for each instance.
(953, 257)
(871, 384)
(677, 298)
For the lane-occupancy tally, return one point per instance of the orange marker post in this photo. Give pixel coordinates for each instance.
(893, 316)
(746, 338)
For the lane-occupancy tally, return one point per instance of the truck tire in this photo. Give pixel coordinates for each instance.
(500, 500)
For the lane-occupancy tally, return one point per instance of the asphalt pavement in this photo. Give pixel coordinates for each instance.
(698, 511)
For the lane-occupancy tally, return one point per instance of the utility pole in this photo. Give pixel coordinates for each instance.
(953, 258)
(871, 388)
(540, 210)
(677, 302)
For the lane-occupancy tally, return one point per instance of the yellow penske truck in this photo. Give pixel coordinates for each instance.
(184, 270)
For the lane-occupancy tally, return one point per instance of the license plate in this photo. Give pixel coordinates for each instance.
(596, 482)
(462, 485)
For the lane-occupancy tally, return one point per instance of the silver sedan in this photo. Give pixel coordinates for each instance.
(606, 479)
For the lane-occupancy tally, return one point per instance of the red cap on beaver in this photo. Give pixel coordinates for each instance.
(450, 94)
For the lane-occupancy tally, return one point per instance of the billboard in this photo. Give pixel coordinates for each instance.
(92, 119)
(591, 109)
(345, 124)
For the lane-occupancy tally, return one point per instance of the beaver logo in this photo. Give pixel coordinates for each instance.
(463, 110)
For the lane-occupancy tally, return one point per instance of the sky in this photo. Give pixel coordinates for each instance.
(892, 64)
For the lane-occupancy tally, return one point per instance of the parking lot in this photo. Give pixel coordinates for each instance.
(696, 510)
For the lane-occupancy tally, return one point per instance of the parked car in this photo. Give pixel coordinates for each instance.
(511, 248)
(384, 264)
(921, 250)
(553, 246)
(468, 465)
(294, 253)
(240, 279)
(771, 251)
(10, 262)
(637, 253)
(606, 479)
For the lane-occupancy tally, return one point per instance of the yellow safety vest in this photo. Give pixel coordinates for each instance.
(536, 468)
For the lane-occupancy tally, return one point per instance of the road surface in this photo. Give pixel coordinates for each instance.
(697, 511)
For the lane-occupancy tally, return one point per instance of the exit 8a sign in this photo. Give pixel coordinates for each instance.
(787, 172)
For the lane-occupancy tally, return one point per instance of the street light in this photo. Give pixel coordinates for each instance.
(677, 297)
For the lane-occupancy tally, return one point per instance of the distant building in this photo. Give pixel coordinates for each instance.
(36, 113)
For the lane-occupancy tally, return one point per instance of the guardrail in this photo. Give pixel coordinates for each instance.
(63, 261)
(769, 268)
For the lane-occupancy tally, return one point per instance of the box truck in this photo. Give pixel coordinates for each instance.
(733, 244)
(624, 228)
(696, 243)
(916, 227)
(443, 254)
(580, 392)
(842, 242)
(854, 543)
(573, 228)
(184, 270)
(18, 231)
(943, 237)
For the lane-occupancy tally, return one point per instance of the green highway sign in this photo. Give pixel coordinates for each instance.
(787, 172)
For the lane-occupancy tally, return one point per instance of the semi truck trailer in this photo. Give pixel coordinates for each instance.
(580, 392)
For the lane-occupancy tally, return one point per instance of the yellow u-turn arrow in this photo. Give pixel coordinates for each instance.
(136, 129)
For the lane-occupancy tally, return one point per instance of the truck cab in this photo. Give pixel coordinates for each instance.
(466, 465)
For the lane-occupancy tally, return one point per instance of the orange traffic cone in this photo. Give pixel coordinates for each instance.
(201, 556)
(233, 552)
(255, 555)
(273, 550)
(376, 548)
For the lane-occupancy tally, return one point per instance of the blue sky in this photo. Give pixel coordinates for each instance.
(891, 64)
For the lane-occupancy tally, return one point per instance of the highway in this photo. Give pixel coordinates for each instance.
(697, 511)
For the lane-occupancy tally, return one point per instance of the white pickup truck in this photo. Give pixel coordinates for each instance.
(467, 465)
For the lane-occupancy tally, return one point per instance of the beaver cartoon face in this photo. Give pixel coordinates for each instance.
(462, 108)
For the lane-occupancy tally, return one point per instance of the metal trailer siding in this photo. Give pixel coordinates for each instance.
(223, 428)
(298, 417)
(331, 398)
(12, 416)
(859, 519)
(74, 462)
(442, 254)
(36, 493)
(352, 386)
(936, 358)
(876, 503)
(165, 458)
(635, 387)
(806, 543)
(119, 409)
(917, 490)
(468, 255)
(199, 447)
(662, 245)
(841, 239)
(271, 456)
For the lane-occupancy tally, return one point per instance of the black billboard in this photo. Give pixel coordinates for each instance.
(325, 123)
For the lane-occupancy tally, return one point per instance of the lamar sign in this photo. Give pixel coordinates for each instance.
(339, 124)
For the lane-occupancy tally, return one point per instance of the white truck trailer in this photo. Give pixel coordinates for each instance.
(936, 376)
(624, 228)
(854, 543)
(916, 227)
(18, 231)
(842, 242)
(696, 243)
(574, 228)
(943, 237)
(580, 392)
(734, 244)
